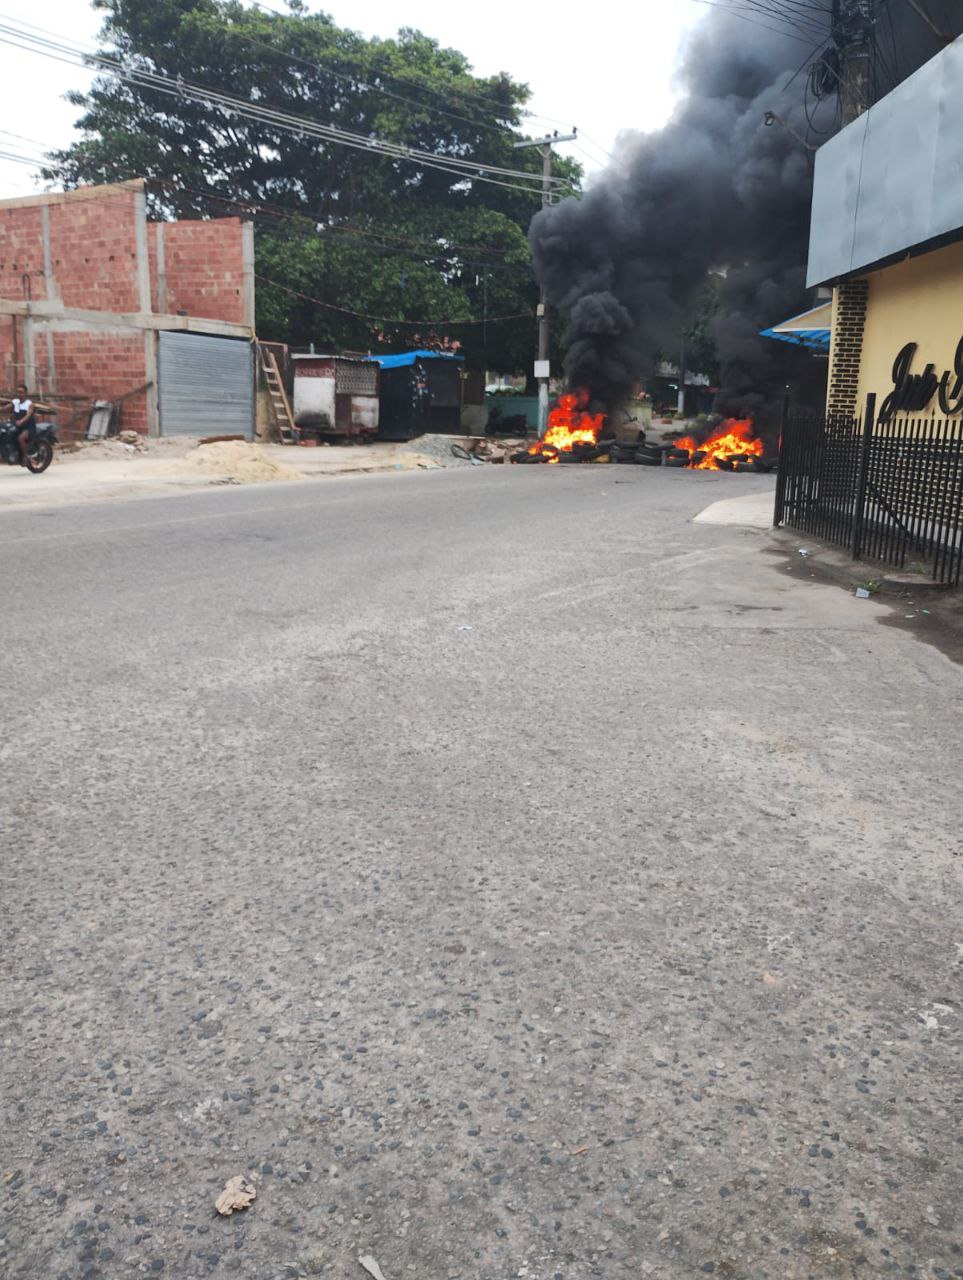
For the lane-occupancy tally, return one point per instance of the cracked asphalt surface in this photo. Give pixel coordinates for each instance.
(513, 878)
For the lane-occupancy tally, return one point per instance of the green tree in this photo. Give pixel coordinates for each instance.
(364, 233)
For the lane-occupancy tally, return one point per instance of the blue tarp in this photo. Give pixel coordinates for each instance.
(409, 357)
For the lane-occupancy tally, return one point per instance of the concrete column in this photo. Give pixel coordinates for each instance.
(48, 274)
(29, 363)
(247, 250)
(142, 268)
(51, 291)
(161, 268)
(151, 343)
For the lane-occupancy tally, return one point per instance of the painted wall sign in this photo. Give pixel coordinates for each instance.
(912, 392)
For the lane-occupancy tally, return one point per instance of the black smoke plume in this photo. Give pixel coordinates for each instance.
(714, 190)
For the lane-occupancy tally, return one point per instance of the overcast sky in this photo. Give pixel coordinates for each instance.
(612, 73)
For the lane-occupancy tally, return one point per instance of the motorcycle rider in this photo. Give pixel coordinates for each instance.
(24, 417)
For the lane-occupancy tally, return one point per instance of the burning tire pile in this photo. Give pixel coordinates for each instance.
(574, 435)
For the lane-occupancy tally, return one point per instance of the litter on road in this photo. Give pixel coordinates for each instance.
(238, 1193)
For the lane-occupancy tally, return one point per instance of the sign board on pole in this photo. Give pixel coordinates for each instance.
(542, 368)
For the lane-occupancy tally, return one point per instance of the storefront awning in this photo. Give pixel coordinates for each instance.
(811, 329)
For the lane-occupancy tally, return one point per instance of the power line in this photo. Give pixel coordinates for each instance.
(792, 19)
(282, 212)
(467, 170)
(370, 233)
(337, 75)
(427, 88)
(10, 155)
(745, 17)
(584, 137)
(360, 315)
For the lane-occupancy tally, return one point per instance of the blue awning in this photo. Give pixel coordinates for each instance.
(811, 329)
(409, 357)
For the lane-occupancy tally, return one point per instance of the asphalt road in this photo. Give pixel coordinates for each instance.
(513, 877)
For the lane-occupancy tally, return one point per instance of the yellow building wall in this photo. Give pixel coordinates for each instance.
(919, 300)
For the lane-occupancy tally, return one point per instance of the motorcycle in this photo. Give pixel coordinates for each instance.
(40, 446)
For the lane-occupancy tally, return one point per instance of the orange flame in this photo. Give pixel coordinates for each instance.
(569, 424)
(734, 436)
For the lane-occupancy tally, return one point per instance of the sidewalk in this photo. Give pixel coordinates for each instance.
(109, 469)
(751, 510)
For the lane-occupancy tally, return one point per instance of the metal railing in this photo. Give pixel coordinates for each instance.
(889, 491)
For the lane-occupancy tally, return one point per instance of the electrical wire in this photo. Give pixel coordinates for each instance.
(360, 315)
(465, 94)
(437, 250)
(330, 306)
(336, 75)
(598, 147)
(807, 26)
(735, 13)
(467, 170)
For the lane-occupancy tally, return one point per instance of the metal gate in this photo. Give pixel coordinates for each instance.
(206, 386)
(888, 490)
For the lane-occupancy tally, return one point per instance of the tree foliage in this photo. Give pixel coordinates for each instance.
(357, 231)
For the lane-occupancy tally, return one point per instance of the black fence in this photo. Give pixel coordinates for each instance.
(889, 491)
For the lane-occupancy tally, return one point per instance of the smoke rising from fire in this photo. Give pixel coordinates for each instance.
(714, 189)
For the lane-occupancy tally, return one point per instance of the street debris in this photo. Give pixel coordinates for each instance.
(770, 979)
(803, 552)
(580, 1152)
(464, 451)
(371, 1267)
(930, 1016)
(238, 1193)
(862, 593)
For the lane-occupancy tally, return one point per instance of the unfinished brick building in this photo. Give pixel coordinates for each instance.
(97, 303)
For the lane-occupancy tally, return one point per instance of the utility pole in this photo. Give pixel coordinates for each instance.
(541, 364)
(852, 29)
(682, 359)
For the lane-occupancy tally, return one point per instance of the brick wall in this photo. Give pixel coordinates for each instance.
(849, 320)
(204, 269)
(21, 253)
(96, 364)
(101, 254)
(93, 250)
(10, 375)
(94, 261)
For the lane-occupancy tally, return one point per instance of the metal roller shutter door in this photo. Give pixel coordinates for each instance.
(206, 386)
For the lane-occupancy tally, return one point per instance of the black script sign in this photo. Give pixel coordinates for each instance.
(912, 392)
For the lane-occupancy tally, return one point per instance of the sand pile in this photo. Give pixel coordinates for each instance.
(235, 460)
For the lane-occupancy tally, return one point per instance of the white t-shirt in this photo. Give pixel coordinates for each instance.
(20, 407)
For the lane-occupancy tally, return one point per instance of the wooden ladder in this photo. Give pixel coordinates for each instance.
(283, 416)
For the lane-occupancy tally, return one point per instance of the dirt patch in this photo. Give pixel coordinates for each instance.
(235, 460)
(125, 447)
